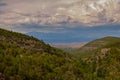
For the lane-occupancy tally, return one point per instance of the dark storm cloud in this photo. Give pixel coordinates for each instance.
(2, 4)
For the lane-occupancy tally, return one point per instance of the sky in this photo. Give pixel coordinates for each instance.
(78, 34)
(62, 21)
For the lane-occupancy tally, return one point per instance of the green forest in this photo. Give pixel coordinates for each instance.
(24, 57)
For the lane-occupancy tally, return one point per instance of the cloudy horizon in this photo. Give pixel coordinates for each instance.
(61, 16)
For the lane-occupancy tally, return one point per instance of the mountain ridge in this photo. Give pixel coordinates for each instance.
(40, 61)
(98, 44)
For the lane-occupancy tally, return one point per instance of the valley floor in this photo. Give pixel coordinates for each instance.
(68, 45)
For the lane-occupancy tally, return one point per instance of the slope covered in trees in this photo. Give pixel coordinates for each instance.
(103, 58)
(27, 58)
(94, 45)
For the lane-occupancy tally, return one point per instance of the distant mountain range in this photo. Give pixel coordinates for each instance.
(77, 34)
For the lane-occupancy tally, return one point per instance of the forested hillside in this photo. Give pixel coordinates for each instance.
(26, 58)
(94, 45)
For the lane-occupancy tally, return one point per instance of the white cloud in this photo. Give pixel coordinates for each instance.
(59, 12)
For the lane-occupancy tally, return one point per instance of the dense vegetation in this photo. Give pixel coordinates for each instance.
(27, 58)
(97, 44)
